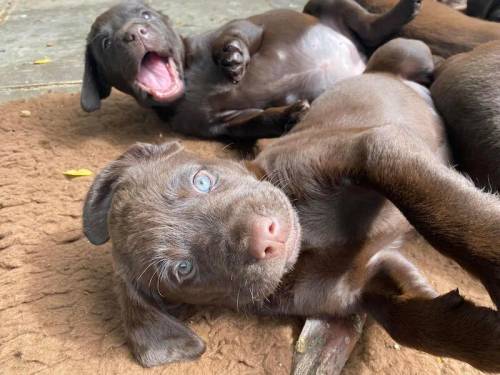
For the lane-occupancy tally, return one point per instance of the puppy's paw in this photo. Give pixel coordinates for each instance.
(296, 112)
(233, 59)
(410, 8)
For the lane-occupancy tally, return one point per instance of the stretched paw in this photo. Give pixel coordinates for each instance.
(233, 59)
(410, 8)
(296, 112)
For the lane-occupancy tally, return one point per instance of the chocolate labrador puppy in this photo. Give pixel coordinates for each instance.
(250, 78)
(191, 230)
(445, 30)
(467, 95)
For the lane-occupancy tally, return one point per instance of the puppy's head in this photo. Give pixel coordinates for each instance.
(192, 230)
(133, 48)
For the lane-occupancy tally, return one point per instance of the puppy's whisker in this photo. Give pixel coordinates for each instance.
(160, 277)
(151, 279)
(227, 146)
(145, 269)
(238, 301)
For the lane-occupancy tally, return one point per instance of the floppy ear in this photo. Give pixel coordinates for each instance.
(155, 337)
(255, 169)
(99, 198)
(94, 87)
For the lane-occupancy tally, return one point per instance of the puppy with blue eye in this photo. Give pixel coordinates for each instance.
(190, 230)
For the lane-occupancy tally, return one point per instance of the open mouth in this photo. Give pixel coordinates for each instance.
(159, 77)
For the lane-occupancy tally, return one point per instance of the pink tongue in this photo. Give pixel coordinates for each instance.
(154, 74)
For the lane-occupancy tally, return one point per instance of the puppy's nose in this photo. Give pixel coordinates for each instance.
(267, 238)
(134, 33)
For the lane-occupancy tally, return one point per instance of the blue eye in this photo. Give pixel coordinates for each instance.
(203, 182)
(185, 267)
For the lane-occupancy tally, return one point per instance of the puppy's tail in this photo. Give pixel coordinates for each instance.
(447, 326)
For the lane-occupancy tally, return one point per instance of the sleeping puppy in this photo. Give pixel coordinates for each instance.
(190, 230)
(250, 78)
(467, 95)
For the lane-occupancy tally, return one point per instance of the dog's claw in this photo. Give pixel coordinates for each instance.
(233, 60)
(411, 8)
(297, 111)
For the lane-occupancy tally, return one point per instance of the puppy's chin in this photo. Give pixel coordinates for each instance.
(145, 99)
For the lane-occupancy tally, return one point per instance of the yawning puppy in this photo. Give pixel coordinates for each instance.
(250, 78)
(191, 230)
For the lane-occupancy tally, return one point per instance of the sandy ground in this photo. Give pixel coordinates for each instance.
(58, 313)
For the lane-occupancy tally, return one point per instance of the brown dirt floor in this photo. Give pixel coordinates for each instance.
(58, 313)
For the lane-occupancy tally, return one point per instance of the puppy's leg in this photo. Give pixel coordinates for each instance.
(372, 29)
(259, 123)
(447, 325)
(455, 217)
(400, 299)
(234, 46)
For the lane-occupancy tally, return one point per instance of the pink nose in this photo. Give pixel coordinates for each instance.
(267, 238)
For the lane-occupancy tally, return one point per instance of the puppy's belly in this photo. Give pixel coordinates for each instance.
(284, 73)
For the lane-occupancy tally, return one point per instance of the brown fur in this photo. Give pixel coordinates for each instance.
(486, 9)
(335, 167)
(467, 95)
(445, 30)
(250, 78)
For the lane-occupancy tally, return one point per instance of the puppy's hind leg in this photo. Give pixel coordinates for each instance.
(446, 325)
(372, 29)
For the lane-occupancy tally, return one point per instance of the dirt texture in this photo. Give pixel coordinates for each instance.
(58, 311)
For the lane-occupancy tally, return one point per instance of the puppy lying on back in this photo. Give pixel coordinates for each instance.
(467, 95)
(189, 230)
(445, 30)
(250, 78)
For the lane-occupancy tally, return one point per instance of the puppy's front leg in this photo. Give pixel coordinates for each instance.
(447, 325)
(401, 300)
(258, 123)
(234, 46)
(457, 219)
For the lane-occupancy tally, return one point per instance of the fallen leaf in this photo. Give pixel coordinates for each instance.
(301, 345)
(43, 61)
(77, 173)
